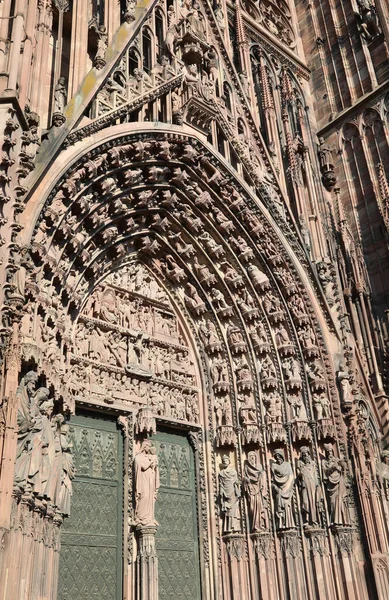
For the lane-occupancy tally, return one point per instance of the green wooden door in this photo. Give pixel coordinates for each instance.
(177, 534)
(91, 538)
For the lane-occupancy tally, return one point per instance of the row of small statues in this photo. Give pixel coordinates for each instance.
(335, 477)
(283, 481)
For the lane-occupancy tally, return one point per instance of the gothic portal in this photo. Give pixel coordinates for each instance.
(194, 268)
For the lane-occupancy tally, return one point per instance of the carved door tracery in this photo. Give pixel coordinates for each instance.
(91, 543)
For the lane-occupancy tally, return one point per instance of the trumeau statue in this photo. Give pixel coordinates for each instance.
(334, 476)
(146, 475)
(254, 486)
(229, 494)
(283, 485)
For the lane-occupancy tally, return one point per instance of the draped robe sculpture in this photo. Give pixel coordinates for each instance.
(254, 488)
(282, 484)
(309, 488)
(146, 475)
(229, 493)
(335, 483)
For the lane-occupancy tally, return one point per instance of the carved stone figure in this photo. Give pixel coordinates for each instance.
(41, 437)
(229, 494)
(321, 405)
(369, 23)
(268, 370)
(298, 408)
(283, 485)
(334, 476)
(44, 463)
(223, 411)
(60, 96)
(383, 473)
(193, 300)
(273, 404)
(146, 476)
(25, 418)
(254, 486)
(68, 472)
(346, 394)
(102, 43)
(310, 489)
(247, 411)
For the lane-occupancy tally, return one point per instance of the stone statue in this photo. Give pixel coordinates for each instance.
(254, 487)
(146, 475)
(310, 489)
(345, 387)
(368, 22)
(68, 472)
(102, 43)
(44, 462)
(282, 484)
(60, 96)
(229, 494)
(326, 165)
(325, 155)
(41, 447)
(383, 472)
(334, 476)
(24, 395)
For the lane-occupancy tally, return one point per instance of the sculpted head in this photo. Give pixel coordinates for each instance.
(225, 461)
(147, 447)
(30, 381)
(278, 456)
(329, 450)
(305, 454)
(252, 459)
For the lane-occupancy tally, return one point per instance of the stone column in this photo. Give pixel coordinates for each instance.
(146, 563)
(237, 582)
(320, 563)
(296, 587)
(78, 47)
(350, 562)
(266, 570)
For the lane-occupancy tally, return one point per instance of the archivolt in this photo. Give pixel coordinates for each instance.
(166, 198)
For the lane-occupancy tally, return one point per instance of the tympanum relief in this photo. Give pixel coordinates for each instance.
(129, 349)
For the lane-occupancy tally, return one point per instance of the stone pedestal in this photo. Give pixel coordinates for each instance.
(146, 563)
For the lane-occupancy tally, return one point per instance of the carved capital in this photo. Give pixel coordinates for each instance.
(262, 544)
(344, 539)
(290, 542)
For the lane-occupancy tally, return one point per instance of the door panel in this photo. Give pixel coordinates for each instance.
(177, 534)
(91, 538)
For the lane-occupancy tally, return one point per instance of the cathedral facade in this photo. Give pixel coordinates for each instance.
(194, 243)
